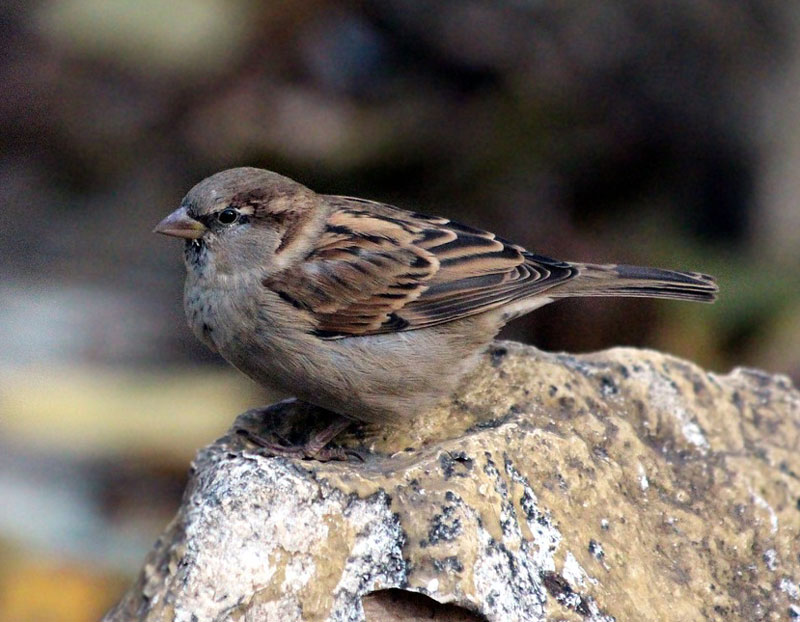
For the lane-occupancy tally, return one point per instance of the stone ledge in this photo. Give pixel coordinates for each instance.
(621, 485)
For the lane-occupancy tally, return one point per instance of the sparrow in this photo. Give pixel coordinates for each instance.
(363, 309)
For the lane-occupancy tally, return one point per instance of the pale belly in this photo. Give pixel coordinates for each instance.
(378, 378)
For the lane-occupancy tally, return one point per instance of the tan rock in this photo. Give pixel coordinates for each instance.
(624, 485)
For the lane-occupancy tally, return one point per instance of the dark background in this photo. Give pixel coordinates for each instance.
(631, 131)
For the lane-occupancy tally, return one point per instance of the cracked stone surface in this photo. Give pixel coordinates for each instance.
(621, 485)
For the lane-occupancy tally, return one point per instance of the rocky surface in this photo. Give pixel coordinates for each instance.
(622, 485)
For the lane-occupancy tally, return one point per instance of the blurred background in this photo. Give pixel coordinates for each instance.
(633, 131)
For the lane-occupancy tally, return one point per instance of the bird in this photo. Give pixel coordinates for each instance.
(366, 310)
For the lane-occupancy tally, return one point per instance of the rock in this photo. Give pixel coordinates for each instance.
(621, 485)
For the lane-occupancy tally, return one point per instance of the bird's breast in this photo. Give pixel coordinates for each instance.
(235, 315)
(202, 308)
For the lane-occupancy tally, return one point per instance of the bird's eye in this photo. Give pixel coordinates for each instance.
(228, 216)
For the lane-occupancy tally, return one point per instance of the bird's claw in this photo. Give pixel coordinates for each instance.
(307, 451)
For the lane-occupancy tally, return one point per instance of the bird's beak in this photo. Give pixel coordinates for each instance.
(180, 225)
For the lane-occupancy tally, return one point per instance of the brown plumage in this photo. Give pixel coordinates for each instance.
(378, 269)
(362, 308)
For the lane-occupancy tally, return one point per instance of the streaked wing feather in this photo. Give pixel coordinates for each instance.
(379, 269)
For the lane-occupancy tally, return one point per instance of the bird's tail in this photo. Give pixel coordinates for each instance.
(637, 281)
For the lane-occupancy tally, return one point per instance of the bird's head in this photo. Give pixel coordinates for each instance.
(242, 218)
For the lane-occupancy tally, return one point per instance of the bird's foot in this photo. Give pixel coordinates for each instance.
(314, 449)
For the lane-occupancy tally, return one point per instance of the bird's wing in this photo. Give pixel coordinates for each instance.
(378, 269)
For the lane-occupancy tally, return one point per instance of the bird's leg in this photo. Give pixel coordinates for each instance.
(313, 449)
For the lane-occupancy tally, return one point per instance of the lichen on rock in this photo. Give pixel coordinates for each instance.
(620, 485)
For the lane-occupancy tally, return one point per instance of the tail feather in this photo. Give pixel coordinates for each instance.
(638, 281)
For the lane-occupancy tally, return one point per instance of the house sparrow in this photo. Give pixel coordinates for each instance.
(364, 309)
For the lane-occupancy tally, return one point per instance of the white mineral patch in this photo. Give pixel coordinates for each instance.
(665, 396)
(521, 599)
(298, 571)
(375, 559)
(762, 503)
(644, 484)
(771, 559)
(574, 572)
(789, 587)
(546, 536)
